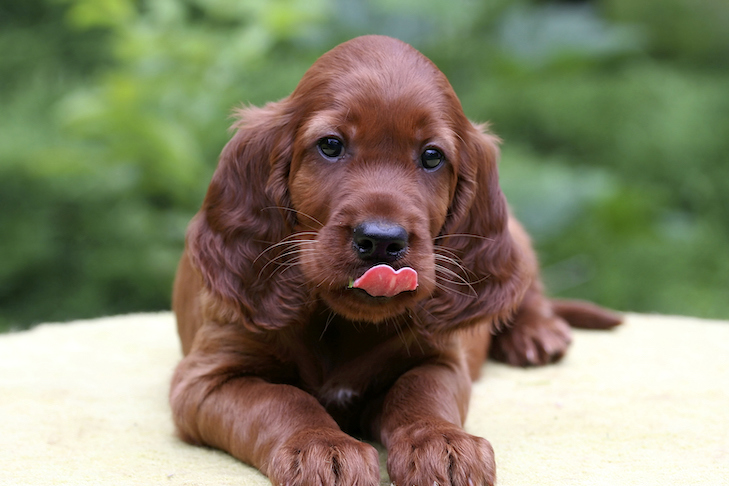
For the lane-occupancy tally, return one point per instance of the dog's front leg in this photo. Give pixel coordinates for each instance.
(421, 428)
(280, 429)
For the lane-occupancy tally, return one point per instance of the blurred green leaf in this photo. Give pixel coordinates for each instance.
(614, 117)
(554, 33)
(101, 13)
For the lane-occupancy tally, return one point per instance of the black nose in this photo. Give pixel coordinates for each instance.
(379, 241)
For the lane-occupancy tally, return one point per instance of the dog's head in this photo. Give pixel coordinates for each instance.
(369, 163)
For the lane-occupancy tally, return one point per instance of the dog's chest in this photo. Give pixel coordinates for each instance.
(350, 365)
(339, 396)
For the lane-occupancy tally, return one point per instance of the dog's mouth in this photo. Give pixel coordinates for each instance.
(384, 281)
(375, 293)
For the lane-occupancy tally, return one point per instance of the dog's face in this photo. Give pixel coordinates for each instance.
(373, 173)
(387, 194)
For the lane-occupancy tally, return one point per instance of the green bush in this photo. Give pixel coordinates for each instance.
(115, 112)
(102, 176)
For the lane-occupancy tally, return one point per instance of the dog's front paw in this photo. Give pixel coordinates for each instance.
(532, 342)
(427, 454)
(325, 458)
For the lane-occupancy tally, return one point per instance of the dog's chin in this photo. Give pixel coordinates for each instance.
(358, 305)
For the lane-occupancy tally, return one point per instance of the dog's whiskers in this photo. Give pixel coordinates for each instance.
(414, 317)
(292, 239)
(455, 261)
(451, 257)
(447, 289)
(455, 279)
(392, 322)
(283, 256)
(460, 277)
(329, 320)
(400, 334)
(288, 257)
(297, 212)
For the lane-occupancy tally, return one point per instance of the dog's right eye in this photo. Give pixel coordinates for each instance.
(330, 147)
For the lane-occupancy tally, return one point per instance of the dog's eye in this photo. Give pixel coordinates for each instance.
(432, 158)
(331, 147)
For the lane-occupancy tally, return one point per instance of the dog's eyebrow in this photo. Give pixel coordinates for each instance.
(322, 124)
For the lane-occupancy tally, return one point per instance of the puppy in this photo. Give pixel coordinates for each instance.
(352, 265)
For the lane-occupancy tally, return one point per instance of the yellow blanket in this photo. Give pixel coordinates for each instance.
(645, 404)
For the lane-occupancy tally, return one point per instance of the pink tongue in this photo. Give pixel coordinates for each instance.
(383, 281)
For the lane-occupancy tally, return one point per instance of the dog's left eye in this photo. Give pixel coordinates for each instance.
(432, 158)
(331, 147)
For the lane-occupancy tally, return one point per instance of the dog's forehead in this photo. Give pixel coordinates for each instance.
(374, 68)
(382, 83)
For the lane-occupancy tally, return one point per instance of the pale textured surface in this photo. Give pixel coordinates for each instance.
(647, 404)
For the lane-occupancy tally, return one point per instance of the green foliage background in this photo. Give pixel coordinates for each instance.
(614, 116)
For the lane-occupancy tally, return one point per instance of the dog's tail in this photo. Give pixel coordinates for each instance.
(585, 315)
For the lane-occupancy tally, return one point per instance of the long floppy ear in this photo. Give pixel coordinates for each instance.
(491, 275)
(244, 214)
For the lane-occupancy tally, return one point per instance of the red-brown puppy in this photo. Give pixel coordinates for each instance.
(351, 260)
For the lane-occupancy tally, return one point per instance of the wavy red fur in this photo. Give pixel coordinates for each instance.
(284, 363)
